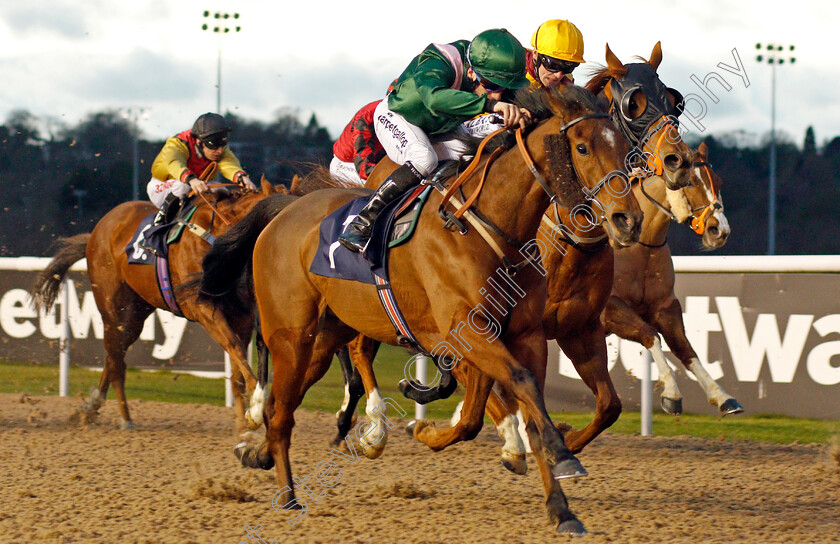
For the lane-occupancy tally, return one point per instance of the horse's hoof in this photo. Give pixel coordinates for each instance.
(126, 425)
(731, 406)
(409, 427)
(671, 406)
(515, 462)
(568, 468)
(250, 458)
(571, 527)
(373, 452)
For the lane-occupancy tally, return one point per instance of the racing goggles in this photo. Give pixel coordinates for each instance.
(215, 141)
(488, 85)
(556, 65)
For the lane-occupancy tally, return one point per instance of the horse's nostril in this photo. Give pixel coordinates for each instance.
(622, 222)
(672, 161)
(714, 232)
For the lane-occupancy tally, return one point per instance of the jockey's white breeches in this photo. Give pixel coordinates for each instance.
(158, 189)
(345, 171)
(404, 142)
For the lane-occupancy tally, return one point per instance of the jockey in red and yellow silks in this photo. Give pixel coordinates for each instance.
(185, 156)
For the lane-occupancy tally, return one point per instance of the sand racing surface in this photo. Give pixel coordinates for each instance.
(174, 479)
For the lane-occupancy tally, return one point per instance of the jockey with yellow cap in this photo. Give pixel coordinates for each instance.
(558, 50)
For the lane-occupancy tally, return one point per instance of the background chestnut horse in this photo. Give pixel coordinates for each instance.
(643, 304)
(126, 294)
(438, 279)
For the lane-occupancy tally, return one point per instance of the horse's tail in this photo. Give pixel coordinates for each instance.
(45, 289)
(227, 263)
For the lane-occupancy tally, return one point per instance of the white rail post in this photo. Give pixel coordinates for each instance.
(647, 395)
(64, 341)
(420, 374)
(228, 384)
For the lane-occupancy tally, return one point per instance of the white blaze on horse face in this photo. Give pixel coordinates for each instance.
(609, 136)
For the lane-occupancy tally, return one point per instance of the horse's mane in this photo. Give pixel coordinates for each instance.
(318, 178)
(600, 75)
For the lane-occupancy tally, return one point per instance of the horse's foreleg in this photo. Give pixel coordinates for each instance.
(556, 504)
(502, 409)
(669, 320)
(621, 319)
(374, 437)
(520, 365)
(587, 350)
(478, 387)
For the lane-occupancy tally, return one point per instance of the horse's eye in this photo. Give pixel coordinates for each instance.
(582, 149)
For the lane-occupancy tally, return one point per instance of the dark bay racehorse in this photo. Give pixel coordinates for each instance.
(438, 279)
(126, 294)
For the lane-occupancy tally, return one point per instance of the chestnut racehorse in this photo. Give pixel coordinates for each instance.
(580, 276)
(643, 304)
(438, 279)
(126, 294)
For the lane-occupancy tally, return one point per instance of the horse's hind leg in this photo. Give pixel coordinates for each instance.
(353, 391)
(669, 320)
(123, 322)
(621, 319)
(477, 389)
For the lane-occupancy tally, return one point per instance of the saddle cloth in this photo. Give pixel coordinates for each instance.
(333, 260)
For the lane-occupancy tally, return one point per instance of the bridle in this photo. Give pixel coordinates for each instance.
(698, 224)
(480, 222)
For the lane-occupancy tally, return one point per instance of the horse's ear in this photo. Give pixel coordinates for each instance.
(294, 189)
(615, 66)
(656, 56)
(703, 151)
(267, 187)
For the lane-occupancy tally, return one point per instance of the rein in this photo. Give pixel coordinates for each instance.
(216, 211)
(481, 222)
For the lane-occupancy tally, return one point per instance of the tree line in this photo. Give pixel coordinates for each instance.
(59, 180)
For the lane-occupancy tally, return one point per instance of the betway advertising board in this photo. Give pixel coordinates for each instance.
(166, 341)
(770, 338)
(766, 329)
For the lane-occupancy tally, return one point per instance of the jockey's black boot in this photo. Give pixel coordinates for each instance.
(357, 234)
(171, 205)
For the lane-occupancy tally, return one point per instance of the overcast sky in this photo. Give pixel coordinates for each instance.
(68, 58)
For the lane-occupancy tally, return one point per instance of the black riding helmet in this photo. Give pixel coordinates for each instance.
(212, 129)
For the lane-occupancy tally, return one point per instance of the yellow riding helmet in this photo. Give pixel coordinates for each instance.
(560, 39)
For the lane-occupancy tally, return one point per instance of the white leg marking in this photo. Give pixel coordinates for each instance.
(346, 402)
(714, 393)
(523, 434)
(375, 410)
(255, 412)
(456, 415)
(670, 389)
(508, 429)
